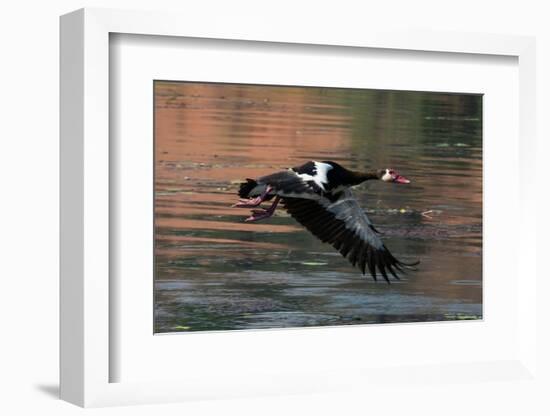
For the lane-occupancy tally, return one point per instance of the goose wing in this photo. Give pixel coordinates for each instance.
(289, 183)
(306, 181)
(342, 223)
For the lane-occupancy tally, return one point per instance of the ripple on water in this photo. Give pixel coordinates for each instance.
(215, 272)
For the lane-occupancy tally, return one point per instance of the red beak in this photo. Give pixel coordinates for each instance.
(401, 179)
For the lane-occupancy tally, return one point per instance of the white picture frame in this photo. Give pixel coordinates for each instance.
(85, 211)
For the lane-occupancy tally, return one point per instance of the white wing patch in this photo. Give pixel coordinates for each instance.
(319, 176)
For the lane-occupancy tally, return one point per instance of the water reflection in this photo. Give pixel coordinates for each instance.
(214, 272)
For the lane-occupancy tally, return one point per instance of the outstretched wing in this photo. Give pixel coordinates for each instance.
(344, 225)
(306, 181)
(290, 184)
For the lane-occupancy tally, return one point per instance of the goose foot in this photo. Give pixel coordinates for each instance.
(262, 214)
(253, 202)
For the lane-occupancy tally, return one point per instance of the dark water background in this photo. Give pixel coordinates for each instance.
(215, 272)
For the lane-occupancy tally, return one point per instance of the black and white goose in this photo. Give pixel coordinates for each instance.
(318, 196)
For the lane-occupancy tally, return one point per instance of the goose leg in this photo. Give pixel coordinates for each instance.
(253, 202)
(262, 214)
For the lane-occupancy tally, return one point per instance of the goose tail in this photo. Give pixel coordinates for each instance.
(247, 187)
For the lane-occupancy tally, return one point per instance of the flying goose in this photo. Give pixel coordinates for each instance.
(318, 196)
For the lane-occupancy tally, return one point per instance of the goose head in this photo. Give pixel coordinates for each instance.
(391, 175)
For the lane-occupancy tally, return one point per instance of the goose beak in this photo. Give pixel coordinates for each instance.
(401, 179)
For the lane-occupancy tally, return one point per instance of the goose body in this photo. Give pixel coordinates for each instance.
(318, 195)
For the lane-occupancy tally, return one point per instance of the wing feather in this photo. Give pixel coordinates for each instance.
(288, 183)
(344, 225)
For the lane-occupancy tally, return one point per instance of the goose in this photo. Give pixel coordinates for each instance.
(318, 195)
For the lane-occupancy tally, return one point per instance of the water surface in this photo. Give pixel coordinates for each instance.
(215, 272)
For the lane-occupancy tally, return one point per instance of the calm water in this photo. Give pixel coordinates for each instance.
(215, 272)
